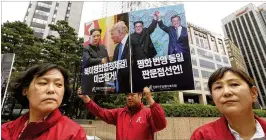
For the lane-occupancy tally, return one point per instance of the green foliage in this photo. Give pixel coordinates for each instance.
(197, 110)
(166, 97)
(65, 50)
(189, 110)
(114, 101)
(260, 113)
(18, 38)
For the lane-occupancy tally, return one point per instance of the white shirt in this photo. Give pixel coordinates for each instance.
(124, 41)
(179, 28)
(258, 135)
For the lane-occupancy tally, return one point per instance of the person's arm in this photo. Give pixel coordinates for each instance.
(153, 24)
(160, 22)
(162, 26)
(107, 115)
(89, 61)
(157, 118)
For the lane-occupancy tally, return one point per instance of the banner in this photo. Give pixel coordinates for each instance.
(126, 52)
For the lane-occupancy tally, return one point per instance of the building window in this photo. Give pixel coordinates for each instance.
(195, 72)
(213, 44)
(201, 43)
(41, 13)
(219, 66)
(217, 57)
(207, 64)
(221, 47)
(192, 50)
(197, 85)
(57, 4)
(206, 86)
(205, 54)
(225, 60)
(189, 37)
(42, 8)
(197, 41)
(194, 61)
(40, 21)
(206, 44)
(66, 18)
(38, 16)
(36, 29)
(44, 5)
(205, 74)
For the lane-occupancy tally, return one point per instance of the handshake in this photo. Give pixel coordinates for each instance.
(156, 15)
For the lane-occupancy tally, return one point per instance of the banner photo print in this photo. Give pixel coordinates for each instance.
(126, 52)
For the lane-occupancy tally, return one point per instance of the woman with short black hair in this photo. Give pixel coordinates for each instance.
(42, 88)
(233, 93)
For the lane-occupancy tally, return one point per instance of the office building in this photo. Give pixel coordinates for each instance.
(235, 56)
(41, 13)
(247, 29)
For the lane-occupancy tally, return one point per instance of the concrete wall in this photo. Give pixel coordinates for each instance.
(178, 128)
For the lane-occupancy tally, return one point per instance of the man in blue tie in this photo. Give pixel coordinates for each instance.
(178, 36)
(119, 34)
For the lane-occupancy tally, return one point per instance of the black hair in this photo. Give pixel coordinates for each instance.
(218, 74)
(138, 22)
(23, 81)
(174, 16)
(96, 29)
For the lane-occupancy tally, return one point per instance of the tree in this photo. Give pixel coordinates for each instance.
(18, 38)
(65, 50)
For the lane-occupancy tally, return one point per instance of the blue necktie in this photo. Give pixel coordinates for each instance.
(119, 58)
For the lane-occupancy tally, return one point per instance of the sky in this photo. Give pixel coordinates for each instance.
(204, 14)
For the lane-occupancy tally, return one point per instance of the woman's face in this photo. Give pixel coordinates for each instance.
(46, 92)
(232, 95)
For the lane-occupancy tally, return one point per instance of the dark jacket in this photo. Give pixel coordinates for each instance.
(93, 55)
(140, 125)
(141, 44)
(123, 74)
(176, 46)
(54, 127)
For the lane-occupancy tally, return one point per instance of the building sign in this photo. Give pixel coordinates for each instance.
(242, 12)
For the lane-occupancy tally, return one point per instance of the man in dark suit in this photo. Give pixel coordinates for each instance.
(93, 54)
(141, 43)
(119, 34)
(178, 37)
(142, 48)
